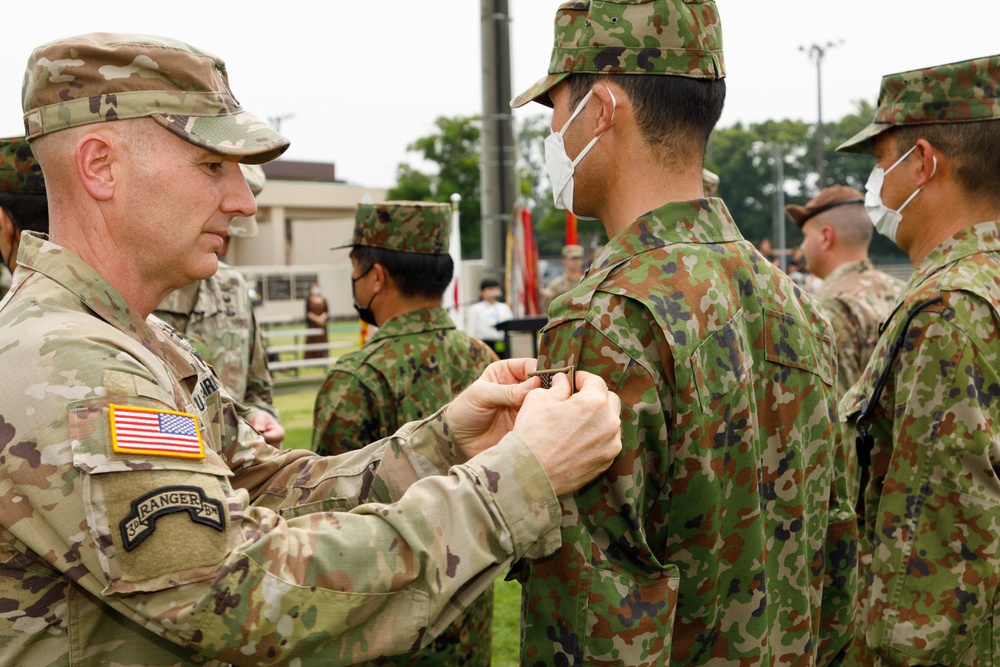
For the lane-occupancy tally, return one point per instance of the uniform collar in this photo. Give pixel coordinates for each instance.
(415, 321)
(974, 240)
(849, 269)
(694, 221)
(60, 265)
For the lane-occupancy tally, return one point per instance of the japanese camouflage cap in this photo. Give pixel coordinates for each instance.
(959, 92)
(674, 37)
(404, 226)
(19, 171)
(104, 76)
(242, 226)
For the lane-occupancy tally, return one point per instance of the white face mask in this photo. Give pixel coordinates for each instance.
(558, 165)
(885, 219)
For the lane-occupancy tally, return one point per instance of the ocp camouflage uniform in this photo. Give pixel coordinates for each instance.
(217, 316)
(857, 298)
(408, 369)
(932, 506)
(722, 533)
(557, 286)
(249, 555)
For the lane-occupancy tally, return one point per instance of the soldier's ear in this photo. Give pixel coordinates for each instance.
(6, 229)
(381, 277)
(94, 159)
(828, 236)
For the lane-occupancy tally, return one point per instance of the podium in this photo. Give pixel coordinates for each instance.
(518, 328)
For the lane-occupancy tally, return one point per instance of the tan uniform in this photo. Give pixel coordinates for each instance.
(857, 298)
(118, 549)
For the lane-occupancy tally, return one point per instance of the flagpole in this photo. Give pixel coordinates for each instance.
(453, 295)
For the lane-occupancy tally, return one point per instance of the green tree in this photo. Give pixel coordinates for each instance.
(453, 152)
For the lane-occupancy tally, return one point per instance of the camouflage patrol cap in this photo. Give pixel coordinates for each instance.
(105, 76)
(404, 226)
(959, 92)
(19, 171)
(675, 37)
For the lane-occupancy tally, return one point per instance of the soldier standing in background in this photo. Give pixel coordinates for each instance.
(926, 413)
(216, 316)
(413, 364)
(23, 206)
(572, 261)
(723, 533)
(855, 295)
(145, 522)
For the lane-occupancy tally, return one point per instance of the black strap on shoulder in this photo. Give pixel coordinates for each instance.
(864, 442)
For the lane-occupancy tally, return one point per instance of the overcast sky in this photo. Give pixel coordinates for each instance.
(358, 81)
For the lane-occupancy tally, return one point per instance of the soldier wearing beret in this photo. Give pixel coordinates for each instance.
(925, 414)
(413, 364)
(23, 206)
(723, 534)
(145, 521)
(855, 295)
(216, 316)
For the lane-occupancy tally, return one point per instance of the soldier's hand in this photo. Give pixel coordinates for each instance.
(574, 436)
(268, 426)
(485, 412)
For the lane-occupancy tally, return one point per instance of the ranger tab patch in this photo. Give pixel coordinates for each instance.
(141, 521)
(153, 432)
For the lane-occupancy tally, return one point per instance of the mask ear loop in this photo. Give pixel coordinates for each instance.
(586, 149)
(917, 191)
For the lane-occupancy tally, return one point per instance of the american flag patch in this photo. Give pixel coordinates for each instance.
(155, 432)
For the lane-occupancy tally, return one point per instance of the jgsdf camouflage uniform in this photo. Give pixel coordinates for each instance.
(857, 298)
(722, 534)
(413, 364)
(119, 551)
(930, 568)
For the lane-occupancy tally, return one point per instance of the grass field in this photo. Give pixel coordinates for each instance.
(295, 397)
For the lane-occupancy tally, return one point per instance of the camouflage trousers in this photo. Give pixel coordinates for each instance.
(467, 642)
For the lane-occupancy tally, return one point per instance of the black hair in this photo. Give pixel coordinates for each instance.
(974, 147)
(675, 114)
(30, 212)
(488, 282)
(416, 275)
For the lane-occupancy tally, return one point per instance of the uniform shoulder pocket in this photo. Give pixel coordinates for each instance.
(158, 515)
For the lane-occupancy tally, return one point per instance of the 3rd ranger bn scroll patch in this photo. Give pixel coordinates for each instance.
(152, 432)
(141, 521)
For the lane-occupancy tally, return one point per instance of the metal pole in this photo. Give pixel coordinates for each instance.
(778, 217)
(497, 167)
(817, 52)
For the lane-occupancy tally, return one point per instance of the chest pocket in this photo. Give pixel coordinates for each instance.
(156, 520)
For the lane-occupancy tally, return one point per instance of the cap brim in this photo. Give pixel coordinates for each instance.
(539, 91)
(240, 134)
(346, 244)
(863, 141)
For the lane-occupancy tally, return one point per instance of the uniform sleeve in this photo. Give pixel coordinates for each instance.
(287, 555)
(348, 413)
(934, 565)
(259, 382)
(848, 339)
